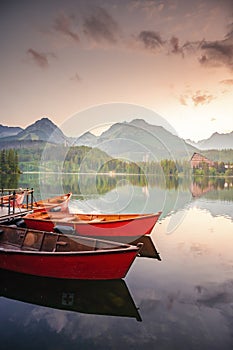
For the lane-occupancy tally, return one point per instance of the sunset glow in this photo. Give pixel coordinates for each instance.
(173, 57)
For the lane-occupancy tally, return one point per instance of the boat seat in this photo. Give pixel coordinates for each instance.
(97, 220)
(66, 219)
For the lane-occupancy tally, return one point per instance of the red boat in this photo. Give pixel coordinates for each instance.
(62, 256)
(14, 199)
(131, 226)
(58, 203)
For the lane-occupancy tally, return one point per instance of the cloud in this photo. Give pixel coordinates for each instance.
(198, 249)
(41, 59)
(230, 32)
(63, 24)
(183, 100)
(151, 40)
(197, 98)
(101, 27)
(202, 98)
(218, 53)
(149, 7)
(175, 47)
(215, 295)
(228, 82)
(215, 53)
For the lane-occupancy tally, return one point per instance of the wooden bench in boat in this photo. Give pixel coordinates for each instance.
(42, 241)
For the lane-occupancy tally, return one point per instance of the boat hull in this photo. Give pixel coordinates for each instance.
(132, 228)
(89, 266)
(48, 254)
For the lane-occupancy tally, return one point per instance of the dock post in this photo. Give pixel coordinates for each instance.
(14, 200)
(9, 203)
(27, 199)
(2, 197)
(32, 198)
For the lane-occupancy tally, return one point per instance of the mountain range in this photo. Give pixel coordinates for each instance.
(6, 131)
(42, 130)
(135, 141)
(215, 141)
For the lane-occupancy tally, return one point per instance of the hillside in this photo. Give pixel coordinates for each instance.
(87, 139)
(6, 131)
(42, 130)
(138, 141)
(61, 158)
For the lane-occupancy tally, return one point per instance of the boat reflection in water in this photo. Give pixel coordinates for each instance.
(107, 297)
(148, 249)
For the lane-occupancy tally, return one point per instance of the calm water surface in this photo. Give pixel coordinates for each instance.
(184, 301)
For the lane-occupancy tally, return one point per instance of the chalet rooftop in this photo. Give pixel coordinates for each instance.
(198, 158)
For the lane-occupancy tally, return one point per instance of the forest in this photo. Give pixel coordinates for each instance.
(83, 159)
(218, 169)
(9, 162)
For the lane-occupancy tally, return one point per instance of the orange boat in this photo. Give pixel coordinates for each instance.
(13, 199)
(58, 203)
(130, 226)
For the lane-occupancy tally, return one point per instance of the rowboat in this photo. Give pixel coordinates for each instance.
(130, 226)
(13, 199)
(56, 255)
(108, 298)
(57, 203)
(148, 249)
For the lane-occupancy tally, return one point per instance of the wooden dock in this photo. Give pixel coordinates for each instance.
(5, 216)
(10, 209)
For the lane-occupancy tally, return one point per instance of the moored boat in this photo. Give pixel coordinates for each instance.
(131, 226)
(56, 255)
(57, 203)
(13, 199)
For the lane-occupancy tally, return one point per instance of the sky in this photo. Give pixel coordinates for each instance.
(173, 58)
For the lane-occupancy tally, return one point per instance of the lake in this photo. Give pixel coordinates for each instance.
(183, 301)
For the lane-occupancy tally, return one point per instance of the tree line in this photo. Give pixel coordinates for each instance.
(83, 159)
(9, 162)
(217, 169)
